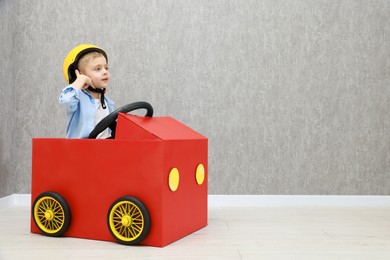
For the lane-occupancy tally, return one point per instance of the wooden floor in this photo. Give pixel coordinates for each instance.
(232, 233)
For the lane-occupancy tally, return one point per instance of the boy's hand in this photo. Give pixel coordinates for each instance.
(82, 81)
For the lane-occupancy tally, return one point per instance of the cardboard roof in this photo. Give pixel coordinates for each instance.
(153, 128)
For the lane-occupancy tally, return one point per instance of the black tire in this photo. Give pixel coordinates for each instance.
(51, 214)
(128, 220)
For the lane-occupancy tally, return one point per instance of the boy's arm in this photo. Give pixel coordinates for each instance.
(70, 98)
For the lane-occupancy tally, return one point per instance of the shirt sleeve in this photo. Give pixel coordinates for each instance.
(70, 98)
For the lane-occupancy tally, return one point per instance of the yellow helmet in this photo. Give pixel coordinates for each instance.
(71, 60)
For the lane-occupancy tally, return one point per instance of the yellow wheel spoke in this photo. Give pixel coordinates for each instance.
(122, 209)
(137, 217)
(44, 204)
(59, 219)
(132, 210)
(118, 225)
(50, 204)
(41, 208)
(117, 214)
(58, 222)
(132, 233)
(58, 210)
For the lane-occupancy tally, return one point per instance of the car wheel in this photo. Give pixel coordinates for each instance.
(128, 220)
(51, 214)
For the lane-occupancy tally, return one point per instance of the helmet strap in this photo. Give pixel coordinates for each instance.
(101, 91)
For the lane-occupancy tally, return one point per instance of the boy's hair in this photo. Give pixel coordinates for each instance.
(87, 58)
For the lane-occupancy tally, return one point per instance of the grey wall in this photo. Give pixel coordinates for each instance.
(7, 30)
(293, 95)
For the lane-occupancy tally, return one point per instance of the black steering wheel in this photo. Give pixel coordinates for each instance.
(110, 120)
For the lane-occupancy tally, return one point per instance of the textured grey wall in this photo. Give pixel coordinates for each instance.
(6, 97)
(293, 95)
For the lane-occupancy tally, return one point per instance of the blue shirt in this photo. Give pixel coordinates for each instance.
(80, 111)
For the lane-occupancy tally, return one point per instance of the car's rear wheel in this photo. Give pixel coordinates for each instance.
(51, 214)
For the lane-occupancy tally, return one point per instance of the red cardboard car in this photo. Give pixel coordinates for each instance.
(147, 185)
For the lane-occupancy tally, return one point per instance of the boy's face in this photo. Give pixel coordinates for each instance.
(97, 70)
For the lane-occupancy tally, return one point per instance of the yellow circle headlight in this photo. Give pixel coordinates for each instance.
(174, 178)
(200, 174)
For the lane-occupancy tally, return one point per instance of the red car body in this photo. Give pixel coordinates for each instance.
(91, 174)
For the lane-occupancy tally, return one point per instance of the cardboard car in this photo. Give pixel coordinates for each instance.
(147, 185)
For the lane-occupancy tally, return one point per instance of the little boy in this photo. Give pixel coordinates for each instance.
(85, 68)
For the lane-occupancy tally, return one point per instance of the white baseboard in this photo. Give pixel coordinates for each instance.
(15, 200)
(255, 201)
(297, 201)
